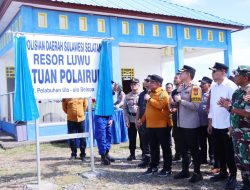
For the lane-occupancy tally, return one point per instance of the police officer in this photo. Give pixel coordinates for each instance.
(143, 134)
(130, 108)
(205, 84)
(240, 120)
(189, 99)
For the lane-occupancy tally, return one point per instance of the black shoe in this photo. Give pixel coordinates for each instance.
(111, 159)
(104, 160)
(82, 158)
(219, 177)
(181, 175)
(245, 186)
(143, 164)
(150, 171)
(164, 173)
(195, 178)
(176, 159)
(72, 158)
(131, 157)
(231, 183)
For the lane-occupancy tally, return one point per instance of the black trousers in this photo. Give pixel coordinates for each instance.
(203, 138)
(190, 143)
(144, 141)
(77, 127)
(160, 137)
(177, 140)
(132, 134)
(224, 150)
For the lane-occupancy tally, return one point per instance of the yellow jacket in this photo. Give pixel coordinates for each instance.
(75, 108)
(157, 114)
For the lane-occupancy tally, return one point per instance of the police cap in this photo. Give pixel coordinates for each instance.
(134, 81)
(206, 80)
(188, 69)
(219, 66)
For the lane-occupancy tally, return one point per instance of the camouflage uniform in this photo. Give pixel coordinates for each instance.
(241, 132)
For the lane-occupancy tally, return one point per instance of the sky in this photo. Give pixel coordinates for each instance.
(235, 10)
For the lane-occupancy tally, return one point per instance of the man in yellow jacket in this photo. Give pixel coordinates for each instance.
(75, 108)
(159, 123)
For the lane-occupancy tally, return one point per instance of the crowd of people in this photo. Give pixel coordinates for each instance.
(209, 123)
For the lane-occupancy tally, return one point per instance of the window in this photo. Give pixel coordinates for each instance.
(171, 51)
(210, 35)
(127, 73)
(125, 28)
(140, 28)
(42, 20)
(169, 32)
(20, 23)
(63, 22)
(198, 34)
(83, 26)
(101, 25)
(10, 72)
(186, 33)
(156, 30)
(221, 36)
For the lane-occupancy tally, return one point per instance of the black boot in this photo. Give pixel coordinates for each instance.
(111, 159)
(131, 157)
(145, 162)
(246, 184)
(105, 160)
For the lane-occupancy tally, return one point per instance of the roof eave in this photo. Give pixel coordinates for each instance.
(122, 13)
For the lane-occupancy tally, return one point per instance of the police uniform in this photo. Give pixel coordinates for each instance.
(241, 128)
(130, 108)
(188, 121)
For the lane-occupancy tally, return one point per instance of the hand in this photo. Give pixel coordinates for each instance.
(177, 98)
(127, 124)
(247, 98)
(138, 123)
(146, 97)
(223, 102)
(209, 129)
(230, 131)
(110, 123)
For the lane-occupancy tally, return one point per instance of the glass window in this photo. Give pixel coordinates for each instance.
(140, 29)
(221, 36)
(210, 35)
(42, 20)
(83, 24)
(125, 28)
(186, 33)
(156, 30)
(101, 25)
(198, 34)
(169, 31)
(63, 22)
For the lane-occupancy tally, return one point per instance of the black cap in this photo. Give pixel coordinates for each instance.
(188, 69)
(156, 78)
(134, 80)
(112, 82)
(218, 66)
(206, 80)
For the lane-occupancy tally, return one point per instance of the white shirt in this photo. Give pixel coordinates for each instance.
(220, 116)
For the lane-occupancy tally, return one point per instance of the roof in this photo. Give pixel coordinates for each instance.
(158, 7)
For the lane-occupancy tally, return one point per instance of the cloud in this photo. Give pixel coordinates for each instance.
(185, 2)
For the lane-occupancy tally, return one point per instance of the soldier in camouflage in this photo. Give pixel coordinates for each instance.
(240, 121)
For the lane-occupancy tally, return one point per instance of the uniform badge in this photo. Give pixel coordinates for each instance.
(195, 94)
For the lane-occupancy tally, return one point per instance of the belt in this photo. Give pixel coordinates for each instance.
(132, 114)
(103, 116)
